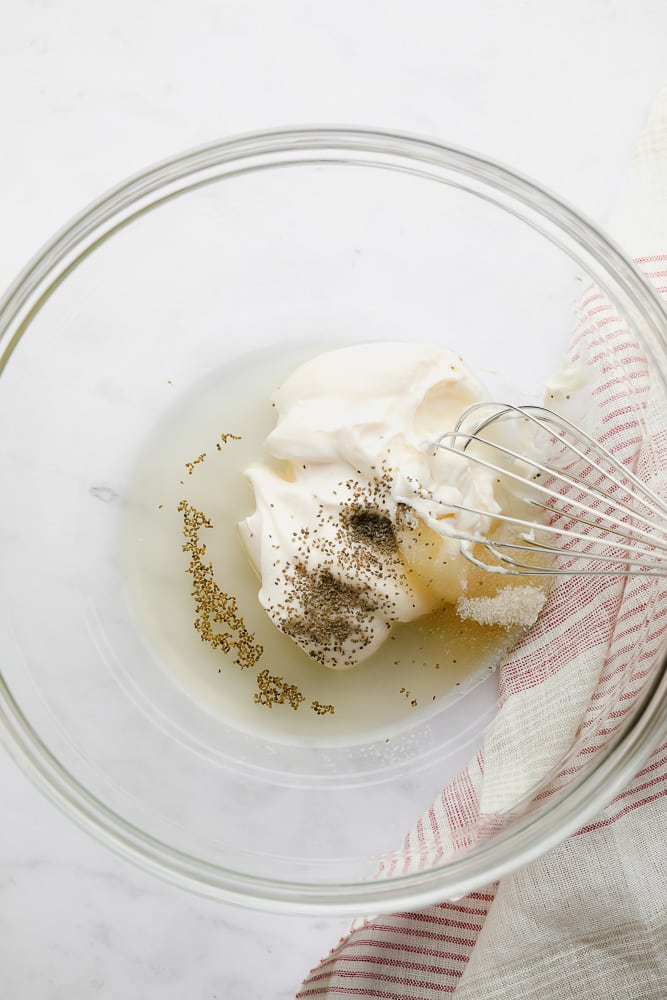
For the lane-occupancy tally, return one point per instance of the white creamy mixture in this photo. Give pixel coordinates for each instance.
(344, 536)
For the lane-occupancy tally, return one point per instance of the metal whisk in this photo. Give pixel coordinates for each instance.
(572, 507)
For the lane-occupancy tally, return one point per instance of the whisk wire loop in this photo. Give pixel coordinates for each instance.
(596, 517)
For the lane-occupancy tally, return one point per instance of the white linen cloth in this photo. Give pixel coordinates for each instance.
(588, 920)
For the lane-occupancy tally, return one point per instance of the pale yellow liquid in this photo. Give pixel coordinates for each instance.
(430, 662)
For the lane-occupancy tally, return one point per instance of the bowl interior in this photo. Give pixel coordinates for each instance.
(208, 285)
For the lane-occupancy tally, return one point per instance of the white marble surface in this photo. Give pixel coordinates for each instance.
(91, 93)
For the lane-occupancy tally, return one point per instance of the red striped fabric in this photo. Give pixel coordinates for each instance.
(423, 955)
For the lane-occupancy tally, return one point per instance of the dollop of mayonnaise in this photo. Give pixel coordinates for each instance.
(348, 536)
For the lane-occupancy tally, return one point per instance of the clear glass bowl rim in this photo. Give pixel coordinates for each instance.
(645, 726)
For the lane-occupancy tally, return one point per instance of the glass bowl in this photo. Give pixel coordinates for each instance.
(211, 266)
